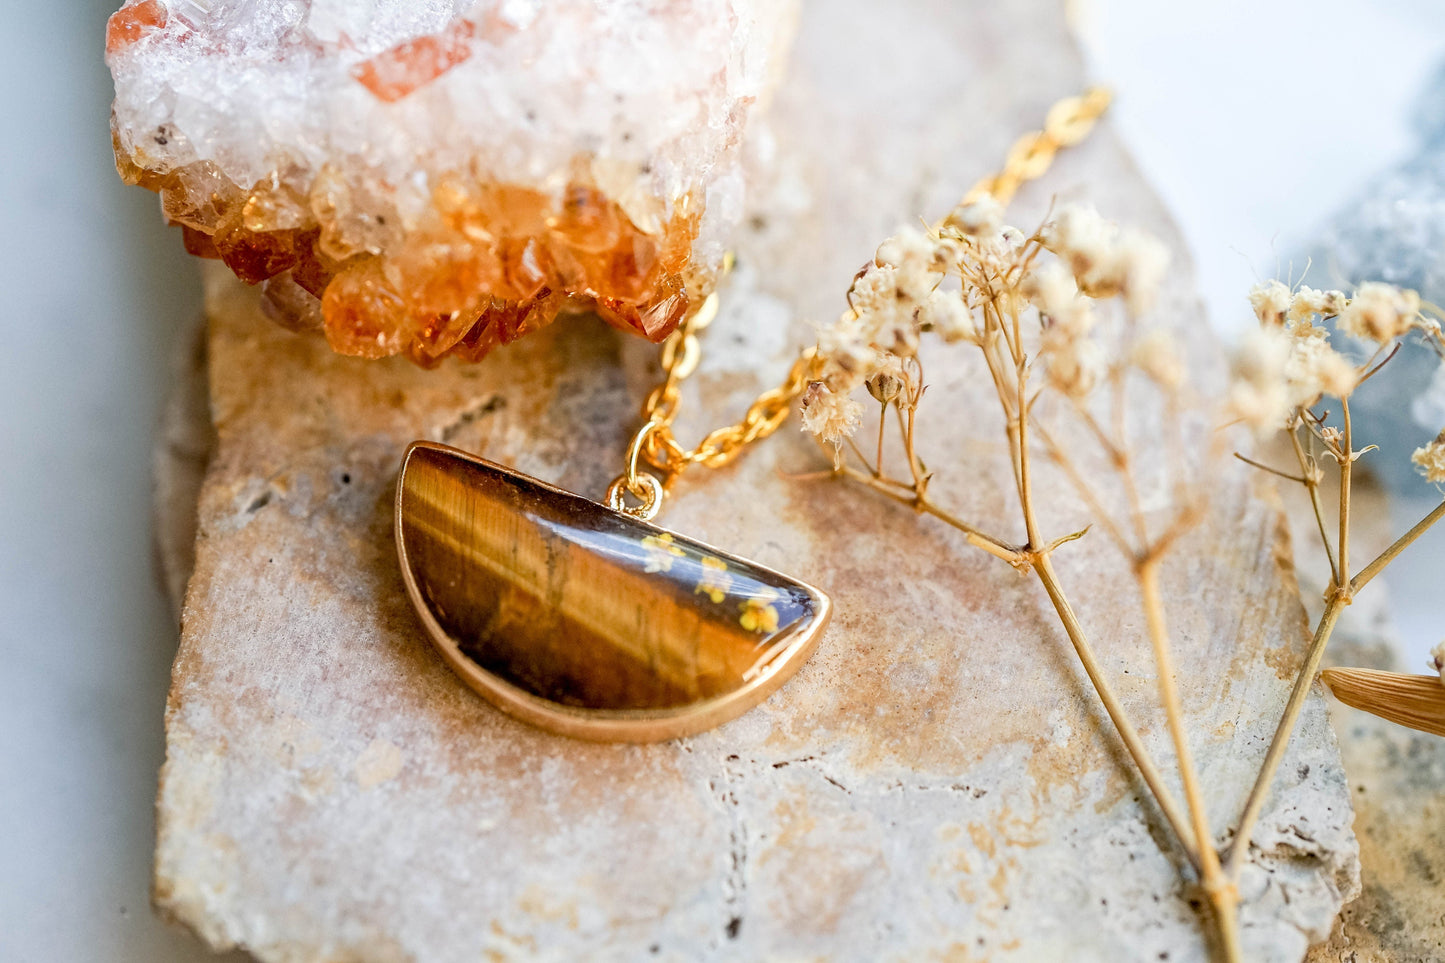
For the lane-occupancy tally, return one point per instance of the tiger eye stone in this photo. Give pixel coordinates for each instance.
(585, 620)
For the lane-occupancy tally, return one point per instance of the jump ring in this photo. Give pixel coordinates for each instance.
(651, 496)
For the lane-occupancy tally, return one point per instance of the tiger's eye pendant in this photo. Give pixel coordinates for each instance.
(586, 621)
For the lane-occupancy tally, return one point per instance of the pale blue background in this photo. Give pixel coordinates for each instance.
(1254, 119)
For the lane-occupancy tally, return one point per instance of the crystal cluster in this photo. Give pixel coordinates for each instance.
(1394, 231)
(435, 177)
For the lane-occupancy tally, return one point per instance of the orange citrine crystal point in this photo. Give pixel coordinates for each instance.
(132, 22)
(490, 264)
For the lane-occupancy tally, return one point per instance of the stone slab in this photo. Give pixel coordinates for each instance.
(937, 783)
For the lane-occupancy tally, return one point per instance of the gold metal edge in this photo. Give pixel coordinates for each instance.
(602, 725)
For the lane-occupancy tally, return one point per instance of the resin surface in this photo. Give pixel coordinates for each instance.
(581, 606)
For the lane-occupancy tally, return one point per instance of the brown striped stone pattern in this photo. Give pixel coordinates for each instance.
(584, 607)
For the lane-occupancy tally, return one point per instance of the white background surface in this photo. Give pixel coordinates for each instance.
(1253, 119)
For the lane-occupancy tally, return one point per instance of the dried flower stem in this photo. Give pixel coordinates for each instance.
(1273, 471)
(1239, 848)
(1347, 464)
(1282, 373)
(1223, 895)
(1311, 478)
(1341, 593)
(1399, 545)
(1043, 567)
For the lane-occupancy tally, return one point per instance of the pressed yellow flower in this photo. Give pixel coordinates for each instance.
(759, 615)
(715, 580)
(660, 552)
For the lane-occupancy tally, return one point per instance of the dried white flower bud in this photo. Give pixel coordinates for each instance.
(1271, 302)
(1303, 329)
(979, 217)
(1379, 312)
(1079, 236)
(908, 246)
(1437, 660)
(945, 314)
(1105, 260)
(948, 253)
(884, 387)
(1258, 395)
(1140, 263)
(1076, 366)
(901, 337)
(913, 255)
(1308, 301)
(1431, 461)
(844, 352)
(1315, 369)
(1157, 356)
(1051, 289)
(829, 415)
(875, 290)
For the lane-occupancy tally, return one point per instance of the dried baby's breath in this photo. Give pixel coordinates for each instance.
(1058, 318)
(1379, 312)
(1271, 302)
(1430, 459)
(1259, 395)
(1157, 355)
(831, 416)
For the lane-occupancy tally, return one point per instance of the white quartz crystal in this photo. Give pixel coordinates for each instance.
(652, 95)
(355, 116)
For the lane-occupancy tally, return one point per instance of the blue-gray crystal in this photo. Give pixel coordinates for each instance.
(1394, 231)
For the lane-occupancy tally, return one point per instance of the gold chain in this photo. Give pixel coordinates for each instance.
(1067, 123)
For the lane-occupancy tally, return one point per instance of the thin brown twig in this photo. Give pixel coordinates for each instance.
(882, 425)
(1273, 471)
(996, 547)
(1310, 471)
(1371, 373)
(1340, 596)
(1400, 544)
(1044, 569)
(1076, 478)
(1347, 462)
(875, 472)
(1223, 895)
(1239, 847)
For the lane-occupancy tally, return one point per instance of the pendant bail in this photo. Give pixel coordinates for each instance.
(642, 485)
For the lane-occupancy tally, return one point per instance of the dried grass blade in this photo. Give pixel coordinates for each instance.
(1416, 701)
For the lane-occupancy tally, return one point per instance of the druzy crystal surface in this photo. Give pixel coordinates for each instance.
(437, 177)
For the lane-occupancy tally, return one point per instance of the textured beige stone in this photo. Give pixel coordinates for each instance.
(937, 783)
(1396, 775)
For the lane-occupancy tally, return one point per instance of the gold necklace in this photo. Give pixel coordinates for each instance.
(584, 618)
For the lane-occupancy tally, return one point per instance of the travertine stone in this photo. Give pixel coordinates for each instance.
(936, 784)
(1396, 775)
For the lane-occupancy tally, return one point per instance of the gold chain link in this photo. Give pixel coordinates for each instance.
(1068, 122)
